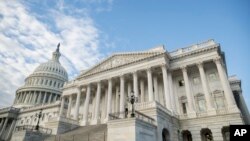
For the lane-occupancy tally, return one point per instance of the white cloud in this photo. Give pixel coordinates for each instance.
(26, 41)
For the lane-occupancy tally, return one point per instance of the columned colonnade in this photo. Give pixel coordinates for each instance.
(114, 89)
(35, 97)
(7, 124)
(115, 92)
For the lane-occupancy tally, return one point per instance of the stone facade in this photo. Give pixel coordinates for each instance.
(182, 95)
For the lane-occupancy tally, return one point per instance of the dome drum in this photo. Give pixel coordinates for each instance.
(44, 85)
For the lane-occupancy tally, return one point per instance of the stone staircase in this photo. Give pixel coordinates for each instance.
(83, 133)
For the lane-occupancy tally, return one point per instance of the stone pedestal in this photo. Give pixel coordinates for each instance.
(27, 135)
(131, 129)
(61, 125)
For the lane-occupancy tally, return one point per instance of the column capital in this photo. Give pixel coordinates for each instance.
(164, 64)
(217, 60)
(109, 79)
(121, 75)
(199, 64)
(134, 72)
(98, 82)
(183, 68)
(149, 69)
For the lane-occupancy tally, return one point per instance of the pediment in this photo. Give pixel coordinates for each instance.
(121, 59)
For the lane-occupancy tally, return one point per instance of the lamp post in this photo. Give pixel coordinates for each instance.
(132, 99)
(39, 116)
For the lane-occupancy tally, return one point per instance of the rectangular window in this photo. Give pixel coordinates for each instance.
(196, 80)
(181, 83)
(212, 76)
(184, 108)
(202, 106)
(219, 102)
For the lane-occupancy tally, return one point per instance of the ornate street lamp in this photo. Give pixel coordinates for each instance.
(39, 116)
(132, 99)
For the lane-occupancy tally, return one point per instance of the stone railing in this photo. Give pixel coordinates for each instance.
(222, 111)
(151, 104)
(43, 106)
(144, 117)
(193, 47)
(66, 120)
(9, 109)
(203, 114)
(138, 115)
(33, 128)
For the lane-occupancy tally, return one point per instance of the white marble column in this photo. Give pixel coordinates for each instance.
(117, 99)
(13, 123)
(226, 86)
(135, 84)
(44, 97)
(34, 97)
(166, 87)
(173, 97)
(22, 100)
(39, 97)
(50, 97)
(245, 112)
(122, 95)
(129, 89)
(210, 108)
(150, 85)
(62, 105)
(98, 97)
(156, 93)
(78, 97)
(86, 105)
(31, 97)
(109, 104)
(142, 90)
(69, 106)
(191, 108)
(1, 124)
(26, 97)
(4, 126)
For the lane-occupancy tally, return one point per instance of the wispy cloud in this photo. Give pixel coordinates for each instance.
(28, 38)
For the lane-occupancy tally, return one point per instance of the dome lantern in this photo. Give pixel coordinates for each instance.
(56, 55)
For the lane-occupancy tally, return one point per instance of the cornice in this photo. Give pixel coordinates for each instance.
(39, 107)
(113, 68)
(36, 88)
(48, 75)
(196, 51)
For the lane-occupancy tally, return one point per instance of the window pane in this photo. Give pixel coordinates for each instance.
(202, 106)
(219, 102)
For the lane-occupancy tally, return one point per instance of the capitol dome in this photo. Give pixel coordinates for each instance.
(44, 84)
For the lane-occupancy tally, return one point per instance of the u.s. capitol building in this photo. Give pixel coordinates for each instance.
(184, 95)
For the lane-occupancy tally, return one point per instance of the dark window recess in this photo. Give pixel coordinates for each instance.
(184, 108)
(181, 83)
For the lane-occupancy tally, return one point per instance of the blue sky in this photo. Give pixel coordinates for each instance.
(90, 30)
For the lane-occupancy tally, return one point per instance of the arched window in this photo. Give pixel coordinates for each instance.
(46, 82)
(55, 84)
(219, 99)
(165, 135)
(186, 135)
(50, 83)
(41, 82)
(201, 103)
(206, 135)
(225, 133)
